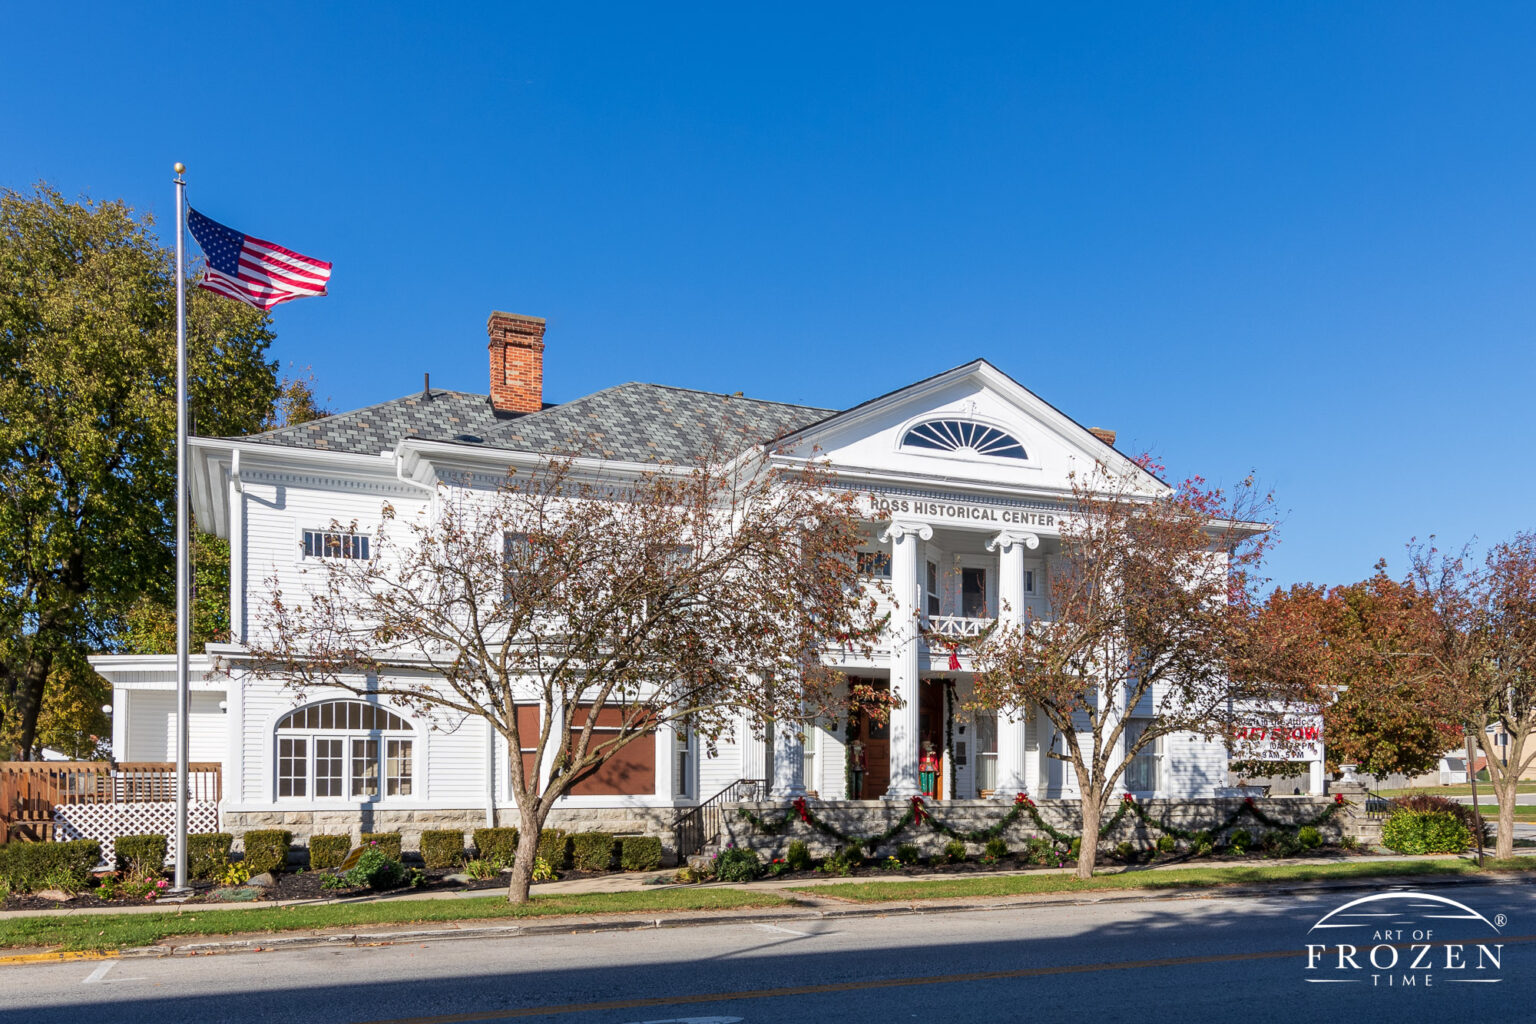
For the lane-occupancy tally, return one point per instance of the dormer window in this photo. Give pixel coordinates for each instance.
(966, 436)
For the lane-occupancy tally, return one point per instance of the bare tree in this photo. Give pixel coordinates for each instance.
(1482, 652)
(681, 597)
(1148, 603)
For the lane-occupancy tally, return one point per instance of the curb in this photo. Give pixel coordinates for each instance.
(803, 912)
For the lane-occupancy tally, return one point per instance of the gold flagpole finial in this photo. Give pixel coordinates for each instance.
(179, 167)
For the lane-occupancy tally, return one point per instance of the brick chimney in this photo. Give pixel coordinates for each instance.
(1107, 436)
(517, 362)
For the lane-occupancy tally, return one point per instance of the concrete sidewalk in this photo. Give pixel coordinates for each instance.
(640, 880)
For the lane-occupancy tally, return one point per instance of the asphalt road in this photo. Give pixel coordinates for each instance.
(1229, 959)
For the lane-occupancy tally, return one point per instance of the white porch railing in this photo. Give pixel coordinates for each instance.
(959, 626)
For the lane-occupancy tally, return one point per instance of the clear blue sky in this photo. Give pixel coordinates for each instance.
(1294, 238)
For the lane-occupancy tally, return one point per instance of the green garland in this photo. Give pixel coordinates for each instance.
(1022, 805)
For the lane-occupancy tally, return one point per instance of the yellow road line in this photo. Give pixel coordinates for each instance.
(58, 956)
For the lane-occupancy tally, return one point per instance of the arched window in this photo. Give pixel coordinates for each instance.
(963, 436)
(344, 749)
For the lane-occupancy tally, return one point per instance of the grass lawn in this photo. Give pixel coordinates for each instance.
(1484, 789)
(1178, 878)
(1523, 812)
(119, 931)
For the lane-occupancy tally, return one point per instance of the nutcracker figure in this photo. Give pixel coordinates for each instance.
(928, 771)
(856, 762)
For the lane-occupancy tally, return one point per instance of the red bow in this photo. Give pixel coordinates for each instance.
(800, 806)
(1338, 798)
(919, 814)
(954, 661)
(1128, 798)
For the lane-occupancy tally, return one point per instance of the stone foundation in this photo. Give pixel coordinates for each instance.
(860, 818)
(621, 821)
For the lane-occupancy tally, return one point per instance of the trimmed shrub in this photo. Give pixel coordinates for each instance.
(1126, 851)
(207, 853)
(954, 851)
(1408, 831)
(554, 848)
(497, 845)
(141, 855)
(798, 856)
(389, 842)
(640, 853)
(1463, 812)
(26, 867)
(1240, 840)
(996, 848)
(266, 850)
(377, 870)
(442, 848)
(327, 852)
(907, 854)
(1309, 837)
(1167, 844)
(593, 851)
(737, 865)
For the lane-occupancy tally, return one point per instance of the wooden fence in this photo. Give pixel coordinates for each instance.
(29, 790)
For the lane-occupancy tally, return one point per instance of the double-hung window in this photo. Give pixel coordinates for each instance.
(931, 581)
(1142, 772)
(986, 752)
(345, 749)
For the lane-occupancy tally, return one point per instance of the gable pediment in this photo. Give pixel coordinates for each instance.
(972, 425)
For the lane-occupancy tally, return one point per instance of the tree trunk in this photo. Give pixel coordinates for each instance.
(1088, 847)
(531, 824)
(1504, 842)
(29, 700)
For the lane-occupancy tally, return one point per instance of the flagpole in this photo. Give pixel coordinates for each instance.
(183, 531)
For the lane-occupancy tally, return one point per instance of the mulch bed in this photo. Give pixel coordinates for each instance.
(290, 886)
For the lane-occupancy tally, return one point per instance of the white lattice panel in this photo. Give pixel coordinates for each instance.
(105, 822)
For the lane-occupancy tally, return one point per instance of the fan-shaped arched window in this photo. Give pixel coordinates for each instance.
(953, 435)
(344, 749)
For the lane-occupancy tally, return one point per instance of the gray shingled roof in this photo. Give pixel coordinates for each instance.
(377, 428)
(630, 422)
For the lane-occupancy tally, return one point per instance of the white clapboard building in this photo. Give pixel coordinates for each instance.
(969, 468)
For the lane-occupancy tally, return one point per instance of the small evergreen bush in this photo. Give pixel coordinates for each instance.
(1240, 840)
(442, 848)
(1309, 837)
(389, 842)
(954, 851)
(1464, 813)
(1167, 844)
(266, 850)
(593, 851)
(555, 848)
(996, 848)
(328, 851)
(640, 853)
(497, 845)
(1126, 851)
(737, 865)
(907, 854)
(140, 856)
(377, 870)
(27, 867)
(207, 853)
(798, 856)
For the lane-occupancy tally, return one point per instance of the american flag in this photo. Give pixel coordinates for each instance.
(254, 271)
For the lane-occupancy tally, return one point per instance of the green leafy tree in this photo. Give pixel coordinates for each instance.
(87, 427)
(1356, 648)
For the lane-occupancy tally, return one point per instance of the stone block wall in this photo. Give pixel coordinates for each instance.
(859, 818)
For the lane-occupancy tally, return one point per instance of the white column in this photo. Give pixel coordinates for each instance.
(1011, 768)
(1315, 778)
(788, 780)
(906, 594)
